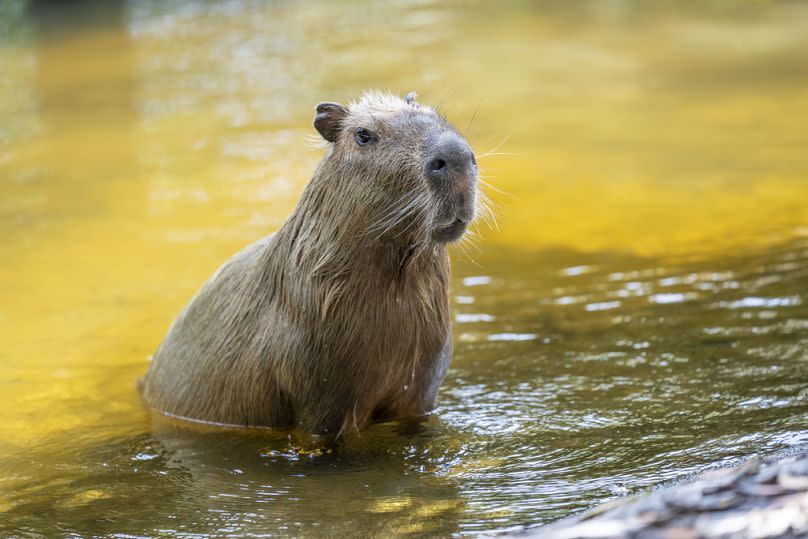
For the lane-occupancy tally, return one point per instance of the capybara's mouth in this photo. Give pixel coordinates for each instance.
(450, 232)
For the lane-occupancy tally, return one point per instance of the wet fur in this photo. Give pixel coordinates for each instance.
(338, 319)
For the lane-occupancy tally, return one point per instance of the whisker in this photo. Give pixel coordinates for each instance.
(406, 228)
(495, 148)
(494, 154)
(484, 196)
(395, 215)
(471, 237)
(462, 246)
(437, 108)
(473, 115)
(418, 201)
(314, 142)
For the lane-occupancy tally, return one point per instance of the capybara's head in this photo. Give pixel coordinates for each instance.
(410, 172)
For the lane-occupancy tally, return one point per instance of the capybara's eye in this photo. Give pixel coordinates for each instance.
(364, 136)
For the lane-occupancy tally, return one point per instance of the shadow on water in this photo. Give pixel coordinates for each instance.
(54, 16)
(188, 479)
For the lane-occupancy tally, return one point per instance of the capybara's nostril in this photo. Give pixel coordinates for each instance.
(437, 164)
(450, 158)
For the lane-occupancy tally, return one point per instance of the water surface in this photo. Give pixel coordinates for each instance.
(639, 314)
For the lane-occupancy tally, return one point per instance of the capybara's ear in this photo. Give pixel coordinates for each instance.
(329, 119)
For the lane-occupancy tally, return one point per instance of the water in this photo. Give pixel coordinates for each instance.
(640, 314)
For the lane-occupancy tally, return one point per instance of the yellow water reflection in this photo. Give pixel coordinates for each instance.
(136, 170)
(139, 152)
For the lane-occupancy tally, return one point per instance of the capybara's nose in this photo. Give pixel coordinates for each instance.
(449, 159)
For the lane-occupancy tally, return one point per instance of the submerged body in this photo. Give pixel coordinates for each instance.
(342, 316)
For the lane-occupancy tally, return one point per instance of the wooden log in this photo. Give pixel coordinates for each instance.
(761, 499)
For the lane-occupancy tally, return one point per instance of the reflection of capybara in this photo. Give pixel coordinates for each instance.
(342, 316)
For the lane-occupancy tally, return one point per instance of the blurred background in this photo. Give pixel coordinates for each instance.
(639, 314)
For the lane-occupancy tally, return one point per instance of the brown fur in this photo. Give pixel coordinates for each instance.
(342, 316)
